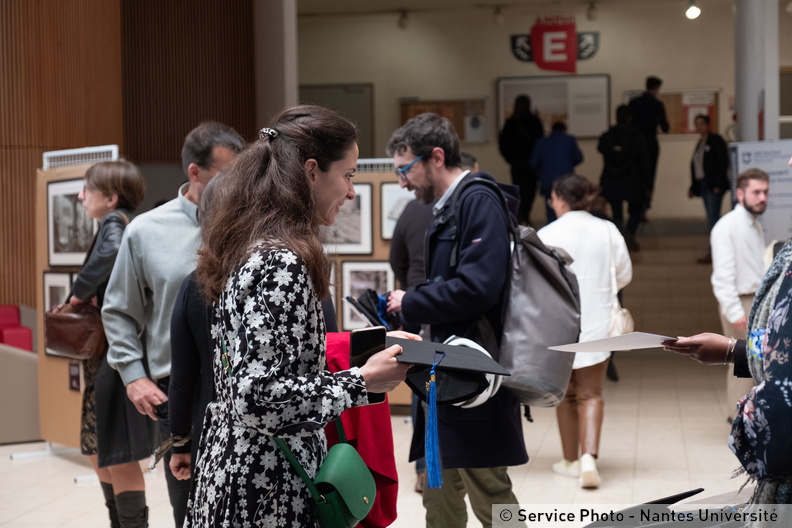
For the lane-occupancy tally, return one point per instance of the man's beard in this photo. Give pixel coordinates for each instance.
(754, 211)
(425, 194)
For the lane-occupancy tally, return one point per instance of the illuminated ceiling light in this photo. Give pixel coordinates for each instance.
(404, 20)
(591, 11)
(693, 11)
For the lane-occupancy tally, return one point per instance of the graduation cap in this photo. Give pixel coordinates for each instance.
(458, 371)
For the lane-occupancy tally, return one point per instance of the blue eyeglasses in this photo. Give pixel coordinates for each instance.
(402, 172)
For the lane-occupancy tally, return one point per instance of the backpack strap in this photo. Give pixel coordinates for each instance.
(449, 216)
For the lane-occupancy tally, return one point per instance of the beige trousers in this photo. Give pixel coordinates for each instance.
(736, 388)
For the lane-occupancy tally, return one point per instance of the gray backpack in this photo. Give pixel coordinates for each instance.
(542, 309)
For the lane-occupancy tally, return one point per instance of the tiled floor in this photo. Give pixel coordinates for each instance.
(664, 429)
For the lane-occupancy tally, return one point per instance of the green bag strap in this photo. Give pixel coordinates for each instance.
(286, 451)
(298, 467)
(300, 471)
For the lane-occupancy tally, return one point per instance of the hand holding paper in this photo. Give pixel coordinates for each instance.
(706, 348)
(631, 341)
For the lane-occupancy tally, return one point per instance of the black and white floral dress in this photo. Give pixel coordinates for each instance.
(271, 320)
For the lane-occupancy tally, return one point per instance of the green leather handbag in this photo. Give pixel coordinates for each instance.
(343, 490)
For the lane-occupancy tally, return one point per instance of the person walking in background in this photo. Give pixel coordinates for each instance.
(157, 252)
(554, 156)
(112, 434)
(709, 173)
(476, 444)
(263, 266)
(596, 246)
(625, 171)
(648, 113)
(516, 143)
(738, 248)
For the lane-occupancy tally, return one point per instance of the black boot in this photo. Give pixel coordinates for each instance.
(132, 510)
(107, 490)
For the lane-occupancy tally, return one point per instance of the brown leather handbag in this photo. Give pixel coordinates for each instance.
(75, 331)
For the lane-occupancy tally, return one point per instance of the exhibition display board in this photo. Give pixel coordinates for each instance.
(61, 231)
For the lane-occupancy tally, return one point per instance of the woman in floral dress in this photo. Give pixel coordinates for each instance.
(761, 436)
(262, 264)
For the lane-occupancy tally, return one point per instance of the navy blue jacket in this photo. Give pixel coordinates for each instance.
(451, 300)
(554, 156)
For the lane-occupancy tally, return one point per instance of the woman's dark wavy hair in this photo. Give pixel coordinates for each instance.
(266, 196)
(576, 190)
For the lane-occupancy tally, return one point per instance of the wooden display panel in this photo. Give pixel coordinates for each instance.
(59, 407)
(380, 252)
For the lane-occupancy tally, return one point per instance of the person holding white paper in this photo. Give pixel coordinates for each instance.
(595, 246)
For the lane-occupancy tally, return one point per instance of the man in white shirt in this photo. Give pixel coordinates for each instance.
(738, 246)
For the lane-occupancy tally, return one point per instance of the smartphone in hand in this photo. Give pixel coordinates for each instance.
(364, 343)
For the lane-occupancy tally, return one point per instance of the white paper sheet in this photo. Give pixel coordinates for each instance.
(631, 341)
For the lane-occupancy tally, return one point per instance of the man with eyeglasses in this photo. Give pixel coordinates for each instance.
(476, 444)
(158, 250)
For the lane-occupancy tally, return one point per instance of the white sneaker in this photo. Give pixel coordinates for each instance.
(567, 469)
(589, 476)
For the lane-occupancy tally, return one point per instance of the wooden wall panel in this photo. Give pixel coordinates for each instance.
(185, 61)
(60, 87)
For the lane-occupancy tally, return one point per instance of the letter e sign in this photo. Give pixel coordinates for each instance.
(554, 43)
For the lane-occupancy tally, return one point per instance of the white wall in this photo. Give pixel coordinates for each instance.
(461, 53)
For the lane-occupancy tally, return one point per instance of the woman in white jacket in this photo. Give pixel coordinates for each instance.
(595, 245)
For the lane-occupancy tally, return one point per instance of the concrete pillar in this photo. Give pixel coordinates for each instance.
(275, 41)
(756, 69)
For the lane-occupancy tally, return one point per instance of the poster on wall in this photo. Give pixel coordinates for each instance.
(69, 230)
(773, 158)
(581, 101)
(394, 199)
(351, 233)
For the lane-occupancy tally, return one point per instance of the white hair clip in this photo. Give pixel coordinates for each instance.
(268, 132)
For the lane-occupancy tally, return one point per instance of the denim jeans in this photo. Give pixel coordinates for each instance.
(712, 203)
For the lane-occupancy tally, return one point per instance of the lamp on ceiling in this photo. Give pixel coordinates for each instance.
(788, 7)
(591, 11)
(693, 11)
(404, 20)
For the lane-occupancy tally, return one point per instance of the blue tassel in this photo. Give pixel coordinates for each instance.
(382, 311)
(434, 475)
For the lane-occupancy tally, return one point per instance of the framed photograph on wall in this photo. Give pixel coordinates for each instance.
(393, 200)
(356, 278)
(580, 101)
(69, 230)
(56, 290)
(352, 232)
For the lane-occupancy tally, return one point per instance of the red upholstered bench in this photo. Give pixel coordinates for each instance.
(12, 333)
(9, 315)
(17, 336)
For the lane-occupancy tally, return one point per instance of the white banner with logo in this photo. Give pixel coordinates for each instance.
(773, 158)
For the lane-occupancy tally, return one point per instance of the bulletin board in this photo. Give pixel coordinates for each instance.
(467, 115)
(580, 101)
(683, 106)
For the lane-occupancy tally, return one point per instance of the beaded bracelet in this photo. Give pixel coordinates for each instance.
(730, 351)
